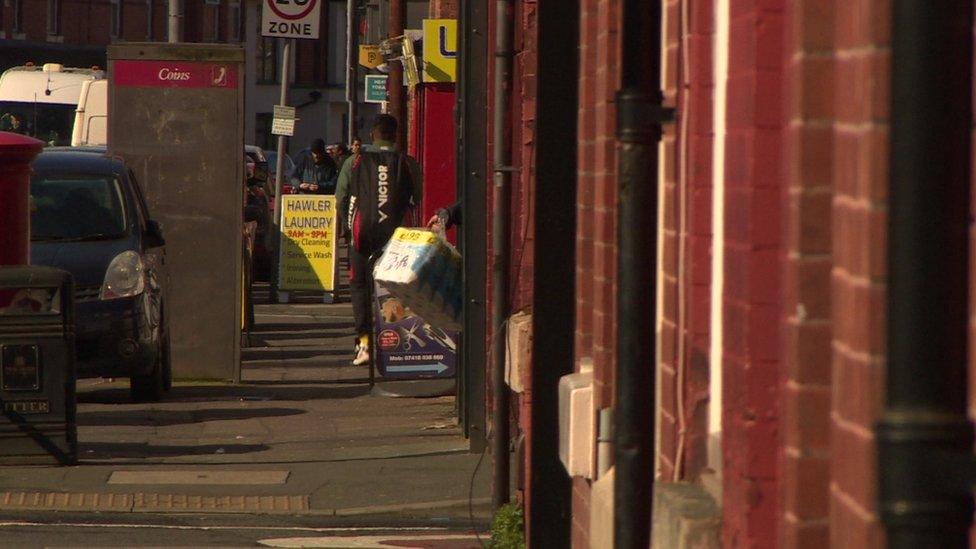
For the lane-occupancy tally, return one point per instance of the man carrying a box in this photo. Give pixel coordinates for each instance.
(381, 183)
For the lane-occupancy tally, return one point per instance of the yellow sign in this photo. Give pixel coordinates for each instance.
(369, 56)
(307, 259)
(440, 50)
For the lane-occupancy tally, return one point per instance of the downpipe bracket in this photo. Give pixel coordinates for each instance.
(927, 469)
(641, 116)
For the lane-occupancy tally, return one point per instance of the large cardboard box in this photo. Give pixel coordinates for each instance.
(424, 271)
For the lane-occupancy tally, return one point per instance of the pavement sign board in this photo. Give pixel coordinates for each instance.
(308, 243)
(291, 18)
(375, 88)
(369, 56)
(407, 347)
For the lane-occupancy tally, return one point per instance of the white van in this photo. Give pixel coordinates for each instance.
(91, 117)
(41, 101)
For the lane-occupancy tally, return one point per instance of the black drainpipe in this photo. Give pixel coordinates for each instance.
(925, 439)
(640, 115)
(500, 246)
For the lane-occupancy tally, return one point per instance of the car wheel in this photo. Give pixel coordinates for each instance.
(150, 387)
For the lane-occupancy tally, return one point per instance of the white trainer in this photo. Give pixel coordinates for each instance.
(362, 356)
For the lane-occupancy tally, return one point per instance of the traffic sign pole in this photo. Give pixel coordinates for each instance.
(352, 73)
(280, 169)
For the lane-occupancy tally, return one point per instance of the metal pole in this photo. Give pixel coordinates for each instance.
(175, 22)
(923, 502)
(473, 183)
(352, 72)
(639, 118)
(398, 97)
(500, 245)
(280, 168)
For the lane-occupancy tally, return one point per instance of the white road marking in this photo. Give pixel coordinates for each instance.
(29, 524)
(372, 542)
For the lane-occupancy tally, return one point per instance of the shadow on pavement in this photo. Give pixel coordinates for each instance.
(285, 328)
(248, 391)
(115, 450)
(271, 353)
(163, 418)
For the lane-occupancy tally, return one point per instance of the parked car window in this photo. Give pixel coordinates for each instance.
(140, 201)
(77, 208)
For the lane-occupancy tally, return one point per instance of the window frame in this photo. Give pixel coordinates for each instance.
(235, 29)
(215, 23)
(115, 18)
(264, 43)
(53, 19)
(150, 19)
(18, 17)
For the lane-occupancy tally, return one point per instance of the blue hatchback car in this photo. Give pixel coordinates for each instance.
(89, 217)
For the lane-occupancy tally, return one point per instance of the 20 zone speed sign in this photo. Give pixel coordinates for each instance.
(291, 18)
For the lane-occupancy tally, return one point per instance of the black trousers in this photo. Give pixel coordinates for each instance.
(360, 290)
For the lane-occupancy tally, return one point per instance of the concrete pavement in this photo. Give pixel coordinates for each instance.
(300, 438)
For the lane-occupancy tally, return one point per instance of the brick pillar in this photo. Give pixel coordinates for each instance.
(805, 461)
(596, 234)
(687, 239)
(860, 148)
(752, 370)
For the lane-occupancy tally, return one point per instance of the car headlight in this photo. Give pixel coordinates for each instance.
(124, 277)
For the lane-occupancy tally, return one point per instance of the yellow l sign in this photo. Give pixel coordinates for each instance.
(440, 50)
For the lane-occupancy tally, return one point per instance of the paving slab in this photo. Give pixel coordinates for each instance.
(301, 435)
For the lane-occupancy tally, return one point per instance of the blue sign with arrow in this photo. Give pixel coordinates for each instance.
(406, 346)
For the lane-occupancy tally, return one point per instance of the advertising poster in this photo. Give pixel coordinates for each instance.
(409, 348)
(308, 243)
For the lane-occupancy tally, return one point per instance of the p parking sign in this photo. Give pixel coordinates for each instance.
(291, 18)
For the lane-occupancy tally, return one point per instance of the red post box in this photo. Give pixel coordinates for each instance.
(16, 153)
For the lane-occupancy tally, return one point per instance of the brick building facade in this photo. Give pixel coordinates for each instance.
(772, 274)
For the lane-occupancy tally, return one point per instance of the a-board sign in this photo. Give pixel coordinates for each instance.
(440, 50)
(407, 347)
(308, 243)
(291, 18)
(369, 56)
(375, 88)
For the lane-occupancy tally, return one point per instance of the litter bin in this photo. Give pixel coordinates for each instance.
(37, 368)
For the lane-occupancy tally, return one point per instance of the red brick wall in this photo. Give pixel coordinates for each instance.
(523, 152)
(753, 258)
(688, 225)
(596, 234)
(88, 22)
(861, 73)
(520, 123)
(444, 9)
(805, 460)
